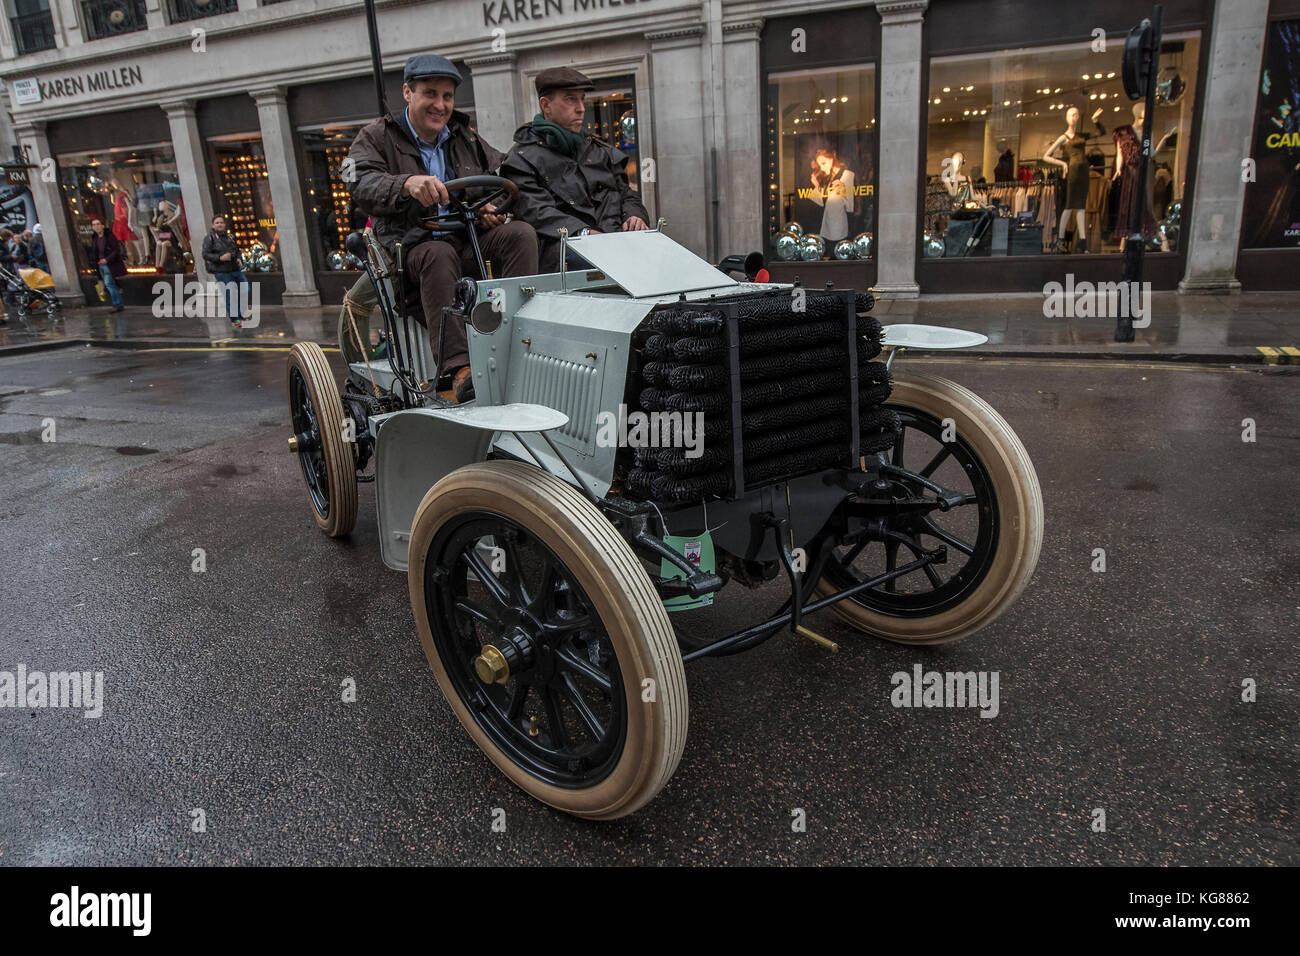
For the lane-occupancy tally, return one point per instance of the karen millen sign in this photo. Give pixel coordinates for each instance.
(100, 81)
(497, 12)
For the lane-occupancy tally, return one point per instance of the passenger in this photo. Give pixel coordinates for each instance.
(400, 163)
(565, 177)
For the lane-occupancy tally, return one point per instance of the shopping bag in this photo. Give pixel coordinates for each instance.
(37, 278)
(101, 291)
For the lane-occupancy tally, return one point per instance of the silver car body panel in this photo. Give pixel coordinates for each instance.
(418, 447)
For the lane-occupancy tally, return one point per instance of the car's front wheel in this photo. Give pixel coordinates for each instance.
(547, 638)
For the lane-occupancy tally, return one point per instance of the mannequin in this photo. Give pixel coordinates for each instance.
(1076, 174)
(967, 204)
(957, 181)
(1006, 167)
(166, 232)
(1128, 156)
(133, 219)
(124, 217)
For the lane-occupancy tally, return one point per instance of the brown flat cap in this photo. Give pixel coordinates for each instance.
(561, 78)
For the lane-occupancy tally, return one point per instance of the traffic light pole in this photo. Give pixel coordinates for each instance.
(1135, 246)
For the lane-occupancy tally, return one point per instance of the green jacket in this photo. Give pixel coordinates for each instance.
(591, 192)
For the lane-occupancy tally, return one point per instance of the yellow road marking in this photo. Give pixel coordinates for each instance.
(1270, 354)
(1087, 363)
(1291, 350)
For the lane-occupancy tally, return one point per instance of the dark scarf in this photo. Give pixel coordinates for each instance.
(557, 137)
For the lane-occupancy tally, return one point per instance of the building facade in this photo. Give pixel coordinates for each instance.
(914, 146)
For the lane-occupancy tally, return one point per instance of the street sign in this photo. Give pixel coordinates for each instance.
(26, 92)
(16, 176)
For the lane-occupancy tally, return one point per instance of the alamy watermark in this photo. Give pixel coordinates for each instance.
(208, 300)
(946, 689)
(78, 690)
(651, 430)
(1098, 300)
(133, 911)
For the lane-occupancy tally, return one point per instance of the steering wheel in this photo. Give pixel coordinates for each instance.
(459, 216)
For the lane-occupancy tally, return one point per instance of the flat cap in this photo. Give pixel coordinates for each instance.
(424, 65)
(562, 78)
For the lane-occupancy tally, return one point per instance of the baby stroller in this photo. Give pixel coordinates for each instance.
(27, 290)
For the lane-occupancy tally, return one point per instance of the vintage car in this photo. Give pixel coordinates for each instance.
(646, 431)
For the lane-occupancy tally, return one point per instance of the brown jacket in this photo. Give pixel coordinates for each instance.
(384, 156)
(556, 190)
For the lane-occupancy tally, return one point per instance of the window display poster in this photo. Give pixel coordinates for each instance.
(833, 191)
(148, 196)
(1272, 210)
(17, 209)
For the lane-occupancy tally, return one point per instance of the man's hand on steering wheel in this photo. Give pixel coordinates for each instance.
(426, 190)
(487, 212)
(488, 217)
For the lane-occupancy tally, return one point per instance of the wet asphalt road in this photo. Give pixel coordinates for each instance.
(1119, 691)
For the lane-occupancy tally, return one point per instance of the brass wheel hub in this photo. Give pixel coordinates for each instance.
(513, 654)
(491, 666)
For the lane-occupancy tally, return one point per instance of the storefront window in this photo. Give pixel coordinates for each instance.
(137, 193)
(821, 160)
(1023, 148)
(611, 115)
(334, 214)
(244, 191)
(1272, 211)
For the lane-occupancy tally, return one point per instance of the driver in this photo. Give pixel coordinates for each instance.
(399, 164)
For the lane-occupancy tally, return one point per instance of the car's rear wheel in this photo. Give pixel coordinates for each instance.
(547, 639)
(328, 464)
(954, 438)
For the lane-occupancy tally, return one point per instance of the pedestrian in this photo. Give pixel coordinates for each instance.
(221, 255)
(20, 247)
(106, 252)
(39, 257)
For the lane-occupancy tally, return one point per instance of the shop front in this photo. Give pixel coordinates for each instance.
(820, 146)
(130, 182)
(1031, 148)
(154, 135)
(1269, 254)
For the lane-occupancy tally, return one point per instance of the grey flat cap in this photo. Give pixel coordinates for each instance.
(424, 65)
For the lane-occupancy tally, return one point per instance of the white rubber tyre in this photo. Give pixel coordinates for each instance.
(331, 476)
(1019, 517)
(633, 622)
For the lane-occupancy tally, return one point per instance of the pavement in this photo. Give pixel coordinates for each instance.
(1249, 328)
(1120, 691)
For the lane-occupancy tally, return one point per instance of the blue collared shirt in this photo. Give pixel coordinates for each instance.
(432, 155)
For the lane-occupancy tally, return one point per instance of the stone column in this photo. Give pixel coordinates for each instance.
(897, 228)
(154, 15)
(67, 23)
(49, 211)
(1213, 230)
(191, 167)
(741, 176)
(677, 111)
(496, 98)
(8, 42)
(286, 196)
